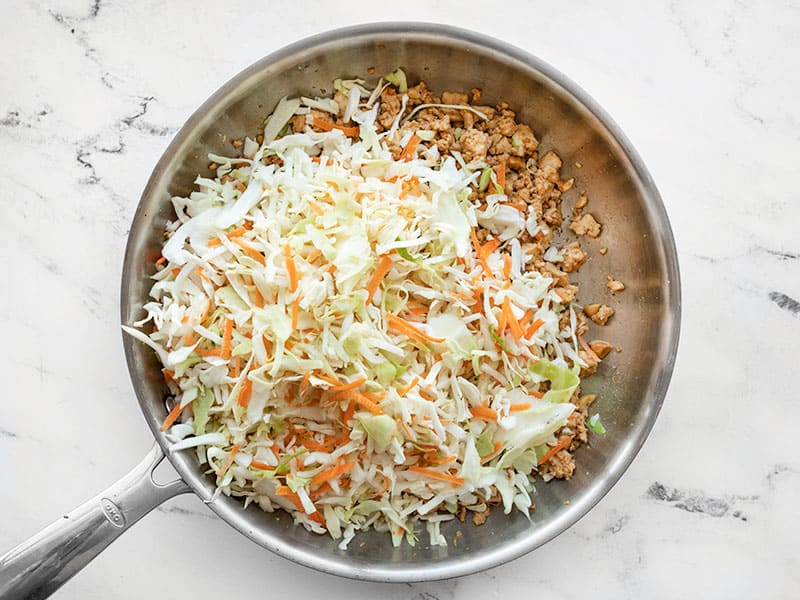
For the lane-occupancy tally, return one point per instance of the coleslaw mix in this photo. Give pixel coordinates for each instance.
(340, 343)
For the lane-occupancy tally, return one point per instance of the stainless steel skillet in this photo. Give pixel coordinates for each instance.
(641, 252)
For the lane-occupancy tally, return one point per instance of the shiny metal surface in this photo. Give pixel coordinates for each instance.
(641, 252)
(42, 564)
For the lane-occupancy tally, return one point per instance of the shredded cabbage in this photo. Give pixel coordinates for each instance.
(342, 336)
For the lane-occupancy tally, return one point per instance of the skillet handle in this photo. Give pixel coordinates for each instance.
(40, 565)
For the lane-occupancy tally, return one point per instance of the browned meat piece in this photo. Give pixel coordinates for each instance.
(505, 126)
(420, 94)
(561, 466)
(567, 293)
(574, 257)
(390, 107)
(614, 285)
(298, 123)
(599, 313)
(600, 347)
(454, 98)
(474, 144)
(583, 200)
(592, 361)
(479, 518)
(526, 139)
(586, 225)
(435, 119)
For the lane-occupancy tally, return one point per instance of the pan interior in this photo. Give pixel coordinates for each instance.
(631, 384)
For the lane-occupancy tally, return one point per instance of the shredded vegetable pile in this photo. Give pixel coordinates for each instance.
(351, 329)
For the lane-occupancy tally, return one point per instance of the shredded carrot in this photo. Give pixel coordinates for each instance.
(562, 443)
(349, 412)
(507, 266)
(161, 261)
(325, 487)
(533, 328)
(257, 464)
(317, 208)
(443, 461)
(203, 276)
(175, 272)
(484, 412)
(304, 383)
(374, 396)
(380, 273)
(516, 328)
(188, 340)
(228, 461)
(536, 394)
(407, 328)
(364, 402)
(405, 390)
(411, 146)
(526, 317)
(324, 377)
(340, 469)
(502, 322)
(172, 416)
(326, 125)
(258, 299)
(286, 492)
(348, 386)
(290, 268)
(295, 313)
(168, 375)
(490, 247)
(251, 252)
(437, 475)
(519, 206)
(204, 316)
(246, 392)
(313, 255)
(203, 352)
(427, 395)
(519, 407)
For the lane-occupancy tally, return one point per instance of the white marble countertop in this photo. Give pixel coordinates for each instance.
(92, 93)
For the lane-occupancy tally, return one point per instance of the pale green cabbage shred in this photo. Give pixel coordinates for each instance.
(346, 203)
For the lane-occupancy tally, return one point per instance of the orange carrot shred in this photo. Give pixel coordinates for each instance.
(405, 390)
(533, 328)
(380, 273)
(365, 402)
(411, 146)
(228, 461)
(172, 416)
(437, 475)
(251, 252)
(257, 464)
(484, 412)
(246, 392)
(348, 386)
(507, 265)
(313, 255)
(295, 313)
(304, 383)
(536, 394)
(519, 407)
(500, 170)
(516, 328)
(562, 443)
(407, 328)
(227, 333)
(326, 125)
(290, 268)
(161, 261)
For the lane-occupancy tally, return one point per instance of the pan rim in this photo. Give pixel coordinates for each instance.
(624, 456)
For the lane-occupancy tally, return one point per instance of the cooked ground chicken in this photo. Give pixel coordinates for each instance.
(599, 313)
(586, 225)
(614, 285)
